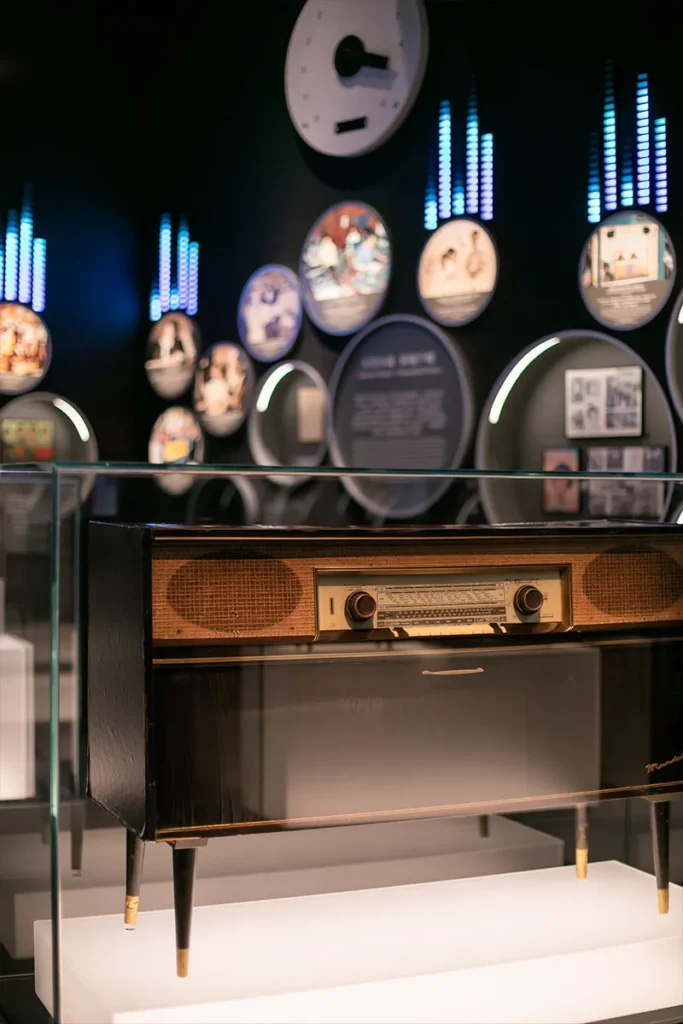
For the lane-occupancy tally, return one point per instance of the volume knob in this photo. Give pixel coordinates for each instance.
(360, 606)
(528, 600)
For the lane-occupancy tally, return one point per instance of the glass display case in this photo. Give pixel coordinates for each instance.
(335, 767)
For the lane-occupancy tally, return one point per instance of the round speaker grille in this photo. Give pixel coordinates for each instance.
(648, 582)
(226, 594)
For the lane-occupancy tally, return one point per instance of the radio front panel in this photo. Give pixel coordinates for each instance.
(442, 602)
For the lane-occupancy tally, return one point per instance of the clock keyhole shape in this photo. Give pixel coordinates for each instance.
(351, 55)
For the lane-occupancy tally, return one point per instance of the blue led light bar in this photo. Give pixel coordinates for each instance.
(643, 140)
(661, 176)
(25, 248)
(2, 270)
(445, 160)
(183, 245)
(165, 262)
(11, 256)
(154, 305)
(594, 182)
(193, 284)
(458, 203)
(472, 156)
(609, 144)
(39, 265)
(627, 193)
(486, 197)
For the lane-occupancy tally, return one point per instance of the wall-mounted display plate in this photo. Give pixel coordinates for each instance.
(401, 398)
(224, 501)
(176, 440)
(288, 421)
(674, 355)
(458, 272)
(269, 313)
(345, 268)
(525, 417)
(222, 389)
(25, 349)
(354, 69)
(627, 270)
(172, 348)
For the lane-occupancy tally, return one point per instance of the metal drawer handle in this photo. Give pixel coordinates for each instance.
(453, 672)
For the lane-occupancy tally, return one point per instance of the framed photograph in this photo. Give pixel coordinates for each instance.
(561, 495)
(24, 441)
(626, 499)
(604, 402)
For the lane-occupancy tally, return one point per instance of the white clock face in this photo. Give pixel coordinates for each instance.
(354, 69)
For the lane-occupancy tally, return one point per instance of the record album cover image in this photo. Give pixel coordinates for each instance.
(224, 383)
(626, 499)
(457, 272)
(269, 313)
(627, 270)
(561, 495)
(26, 440)
(604, 402)
(176, 439)
(345, 268)
(172, 348)
(25, 349)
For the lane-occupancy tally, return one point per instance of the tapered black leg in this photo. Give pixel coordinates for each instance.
(184, 861)
(581, 826)
(77, 815)
(484, 827)
(135, 855)
(659, 823)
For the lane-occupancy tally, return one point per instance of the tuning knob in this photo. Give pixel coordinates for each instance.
(360, 606)
(528, 600)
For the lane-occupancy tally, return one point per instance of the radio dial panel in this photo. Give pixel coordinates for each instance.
(442, 602)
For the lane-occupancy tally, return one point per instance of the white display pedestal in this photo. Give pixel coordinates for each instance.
(260, 867)
(535, 946)
(17, 719)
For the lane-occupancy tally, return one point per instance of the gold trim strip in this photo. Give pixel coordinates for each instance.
(444, 810)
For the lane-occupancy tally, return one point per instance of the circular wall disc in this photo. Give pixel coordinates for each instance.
(401, 398)
(288, 420)
(222, 388)
(345, 268)
(353, 71)
(269, 313)
(674, 355)
(172, 349)
(176, 440)
(25, 348)
(458, 272)
(227, 501)
(627, 270)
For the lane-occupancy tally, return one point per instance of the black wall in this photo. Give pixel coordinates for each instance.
(119, 120)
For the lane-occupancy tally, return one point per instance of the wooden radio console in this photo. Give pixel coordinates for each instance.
(256, 680)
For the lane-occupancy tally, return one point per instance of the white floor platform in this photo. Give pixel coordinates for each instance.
(261, 867)
(17, 719)
(536, 947)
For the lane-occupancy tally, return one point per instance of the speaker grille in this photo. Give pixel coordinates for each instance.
(633, 582)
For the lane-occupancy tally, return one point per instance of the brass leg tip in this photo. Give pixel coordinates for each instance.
(182, 960)
(130, 914)
(663, 900)
(581, 863)
(484, 829)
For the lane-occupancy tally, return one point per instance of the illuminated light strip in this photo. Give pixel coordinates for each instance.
(74, 415)
(643, 140)
(165, 263)
(594, 182)
(472, 156)
(445, 160)
(458, 203)
(2, 270)
(661, 182)
(431, 207)
(627, 177)
(263, 400)
(11, 257)
(175, 299)
(609, 123)
(193, 279)
(39, 264)
(155, 305)
(183, 264)
(487, 176)
(25, 249)
(514, 375)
